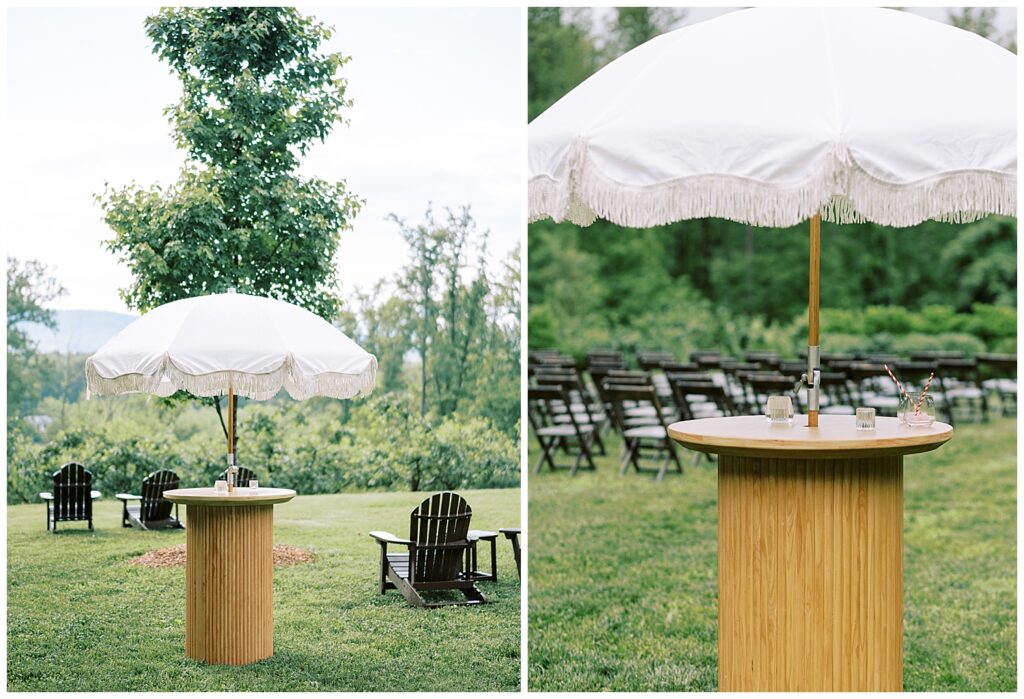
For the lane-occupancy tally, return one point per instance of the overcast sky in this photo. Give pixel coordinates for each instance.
(437, 117)
(1005, 20)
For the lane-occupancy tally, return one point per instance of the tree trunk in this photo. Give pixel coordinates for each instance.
(423, 349)
(423, 381)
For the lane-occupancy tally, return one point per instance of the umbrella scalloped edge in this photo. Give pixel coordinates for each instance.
(254, 386)
(842, 192)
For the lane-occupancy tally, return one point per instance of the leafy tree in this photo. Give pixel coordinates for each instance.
(562, 51)
(633, 26)
(983, 260)
(982, 21)
(461, 339)
(553, 40)
(382, 330)
(447, 318)
(63, 378)
(495, 393)
(257, 92)
(417, 283)
(29, 287)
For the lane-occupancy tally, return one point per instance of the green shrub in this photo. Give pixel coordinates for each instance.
(991, 323)
(464, 454)
(895, 320)
(949, 342)
(314, 446)
(844, 343)
(1007, 345)
(542, 333)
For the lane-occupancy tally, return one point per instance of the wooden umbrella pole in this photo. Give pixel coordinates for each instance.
(231, 437)
(812, 323)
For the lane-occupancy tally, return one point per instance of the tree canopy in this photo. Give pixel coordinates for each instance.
(29, 287)
(257, 93)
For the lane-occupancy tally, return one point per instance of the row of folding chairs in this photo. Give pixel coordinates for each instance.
(567, 415)
(964, 387)
(564, 421)
(571, 411)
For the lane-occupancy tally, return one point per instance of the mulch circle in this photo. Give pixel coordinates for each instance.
(284, 555)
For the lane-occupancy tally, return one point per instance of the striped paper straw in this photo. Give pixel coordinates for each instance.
(924, 393)
(894, 380)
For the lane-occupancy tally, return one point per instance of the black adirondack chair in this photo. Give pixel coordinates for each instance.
(244, 476)
(437, 545)
(71, 498)
(150, 510)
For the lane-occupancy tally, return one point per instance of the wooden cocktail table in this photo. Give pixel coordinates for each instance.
(810, 549)
(229, 573)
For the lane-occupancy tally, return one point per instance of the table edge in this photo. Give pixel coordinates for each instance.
(841, 449)
(230, 500)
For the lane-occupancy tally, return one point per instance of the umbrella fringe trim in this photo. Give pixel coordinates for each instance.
(842, 192)
(255, 386)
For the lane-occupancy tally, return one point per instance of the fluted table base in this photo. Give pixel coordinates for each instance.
(229, 574)
(810, 569)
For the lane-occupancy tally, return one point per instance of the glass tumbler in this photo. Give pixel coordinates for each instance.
(779, 410)
(865, 418)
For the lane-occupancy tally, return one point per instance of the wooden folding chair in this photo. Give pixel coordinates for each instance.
(585, 409)
(999, 379)
(544, 402)
(638, 439)
(764, 384)
(961, 387)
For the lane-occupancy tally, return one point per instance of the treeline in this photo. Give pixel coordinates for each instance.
(447, 423)
(712, 283)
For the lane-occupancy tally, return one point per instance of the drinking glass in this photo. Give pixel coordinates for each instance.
(779, 409)
(865, 418)
(914, 412)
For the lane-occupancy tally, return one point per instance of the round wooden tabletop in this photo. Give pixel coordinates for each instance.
(835, 437)
(240, 496)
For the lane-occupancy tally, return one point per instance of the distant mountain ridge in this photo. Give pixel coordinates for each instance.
(78, 331)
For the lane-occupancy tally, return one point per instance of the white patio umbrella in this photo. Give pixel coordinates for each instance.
(227, 344)
(771, 116)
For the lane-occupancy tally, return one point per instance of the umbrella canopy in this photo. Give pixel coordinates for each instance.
(249, 345)
(770, 116)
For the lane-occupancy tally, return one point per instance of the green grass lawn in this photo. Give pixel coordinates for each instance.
(623, 572)
(80, 618)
